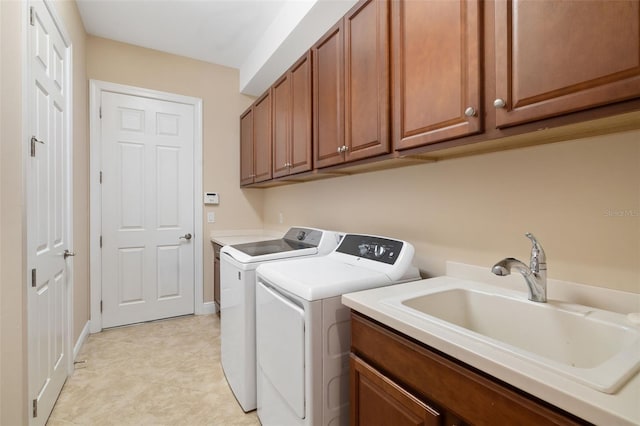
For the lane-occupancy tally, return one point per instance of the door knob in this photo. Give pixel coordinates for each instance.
(68, 253)
(186, 237)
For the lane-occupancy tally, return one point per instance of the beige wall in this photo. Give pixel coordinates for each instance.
(475, 210)
(12, 262)
(217, 86)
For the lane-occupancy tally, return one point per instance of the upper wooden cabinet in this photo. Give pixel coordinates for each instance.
(255, 142)
(436, 71)
(555, 57)
(246, 147)
(351, 86)
(292, 120)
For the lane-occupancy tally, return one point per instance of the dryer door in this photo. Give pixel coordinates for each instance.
(280, 345)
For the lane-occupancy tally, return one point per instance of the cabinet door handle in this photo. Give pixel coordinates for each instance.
(499, 103)
(339, 149)
(470, 112)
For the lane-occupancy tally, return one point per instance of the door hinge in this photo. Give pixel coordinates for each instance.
(33, 278)
(35, 408)
(31, 19)
(100, 111)
(100, 241)
(100, 176)
(101, 306)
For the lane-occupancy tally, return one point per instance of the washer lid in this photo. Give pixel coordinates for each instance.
(243, 257)
(261, 248)
(320, 277)
(296, 242)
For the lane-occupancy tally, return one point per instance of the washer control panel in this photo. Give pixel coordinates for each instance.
(308, 236)
(370, 247)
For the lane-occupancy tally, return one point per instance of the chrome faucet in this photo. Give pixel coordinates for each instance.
(535, 274)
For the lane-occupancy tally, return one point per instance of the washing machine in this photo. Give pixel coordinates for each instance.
(303, 331)
(238, 265)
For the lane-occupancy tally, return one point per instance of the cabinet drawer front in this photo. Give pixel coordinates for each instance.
(452, 386)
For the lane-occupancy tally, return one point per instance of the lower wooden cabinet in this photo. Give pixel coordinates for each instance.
(376, 400)
(216, 276)
(397, 381)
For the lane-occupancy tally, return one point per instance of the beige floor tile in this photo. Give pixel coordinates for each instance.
(160, 373)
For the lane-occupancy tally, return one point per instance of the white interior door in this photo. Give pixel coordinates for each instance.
(147, 209)
(48, 213)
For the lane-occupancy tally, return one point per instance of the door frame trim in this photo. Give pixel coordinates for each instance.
(96, 87)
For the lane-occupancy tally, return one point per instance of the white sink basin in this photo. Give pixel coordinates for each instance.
(597, 348)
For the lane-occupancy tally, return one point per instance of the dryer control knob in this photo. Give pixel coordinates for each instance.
(379, 251)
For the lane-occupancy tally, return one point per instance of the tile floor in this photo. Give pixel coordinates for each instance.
(160, 373)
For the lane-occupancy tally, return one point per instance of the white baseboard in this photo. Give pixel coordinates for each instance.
(81, 339)
(206, 308)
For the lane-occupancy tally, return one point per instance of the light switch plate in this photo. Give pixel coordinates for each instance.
(211, 217)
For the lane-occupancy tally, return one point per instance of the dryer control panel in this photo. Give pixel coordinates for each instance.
(371, 247)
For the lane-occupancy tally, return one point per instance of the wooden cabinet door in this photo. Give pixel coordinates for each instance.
(555, 57)
(300, 152)
(377, 400)
(246, 147)
(328, 102)
(366, 29)
(281, 125)
(216, 276)
(436, 69)
(262, 138)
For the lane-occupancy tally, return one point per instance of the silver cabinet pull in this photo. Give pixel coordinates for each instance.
(339, 149)
(499, 103)
(186, 237)
(470, 112)
(68, 253)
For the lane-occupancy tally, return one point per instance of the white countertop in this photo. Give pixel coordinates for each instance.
(622, 408)
(231, 237)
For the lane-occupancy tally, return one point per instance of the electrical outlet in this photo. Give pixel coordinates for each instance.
(211, 217)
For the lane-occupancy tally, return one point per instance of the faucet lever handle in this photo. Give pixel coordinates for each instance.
(538, 257)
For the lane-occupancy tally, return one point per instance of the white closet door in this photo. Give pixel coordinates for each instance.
(48, 213)
(147, 209)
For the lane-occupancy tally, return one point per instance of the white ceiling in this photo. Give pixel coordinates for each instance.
(259, 37)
